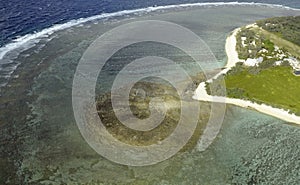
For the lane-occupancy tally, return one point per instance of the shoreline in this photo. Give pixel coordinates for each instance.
(201, 93)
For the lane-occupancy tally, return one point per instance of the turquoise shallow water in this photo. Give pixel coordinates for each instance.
(42, 144)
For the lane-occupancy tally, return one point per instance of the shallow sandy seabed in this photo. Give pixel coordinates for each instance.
(40, 141)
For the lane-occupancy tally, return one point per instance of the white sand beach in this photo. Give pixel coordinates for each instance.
(201, 93)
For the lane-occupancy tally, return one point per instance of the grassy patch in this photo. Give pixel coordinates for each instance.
(268, 45)
(276, 86)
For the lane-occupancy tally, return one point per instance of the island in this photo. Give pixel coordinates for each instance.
(263, 69)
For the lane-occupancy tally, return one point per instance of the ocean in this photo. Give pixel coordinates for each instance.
(40, 140)
(20, 30)
(18, 18)
(22, 17)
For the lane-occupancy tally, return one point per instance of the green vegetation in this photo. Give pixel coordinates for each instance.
(285, 45)
(254, 43)
(268, 45)
(267, 82)
(283, 32)
(275, 86)
(248, 40)
(287, 28)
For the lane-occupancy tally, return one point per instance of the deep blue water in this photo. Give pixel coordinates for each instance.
(20, 17)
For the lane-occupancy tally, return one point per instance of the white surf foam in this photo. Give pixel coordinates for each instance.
(48, 31)
(25, 42)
